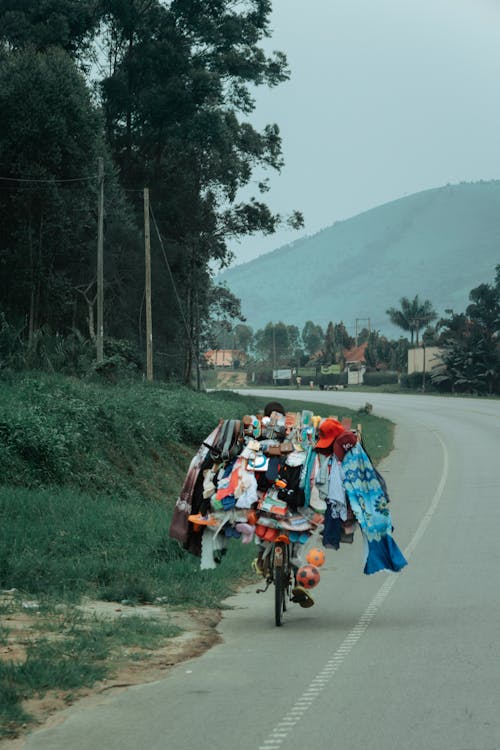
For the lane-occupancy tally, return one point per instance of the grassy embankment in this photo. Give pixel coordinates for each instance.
(88, 478)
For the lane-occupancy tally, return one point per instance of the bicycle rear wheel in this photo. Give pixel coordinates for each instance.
(279, 576)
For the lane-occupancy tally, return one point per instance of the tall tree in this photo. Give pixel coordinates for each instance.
(413, 315)
(244, 337)
(176, 95)
(180, 82)
(329, 345)
(378, 353)
(48, 149)
(68, 24)
(273, 343)
(312, 336)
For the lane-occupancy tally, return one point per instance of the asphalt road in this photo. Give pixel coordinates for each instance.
(406, 661)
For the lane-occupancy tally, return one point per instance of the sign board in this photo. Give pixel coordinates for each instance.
(330, 369)
(282, 374)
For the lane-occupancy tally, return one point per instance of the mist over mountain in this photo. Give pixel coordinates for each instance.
(438, 243)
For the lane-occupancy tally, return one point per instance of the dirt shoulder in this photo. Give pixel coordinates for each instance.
(131, 666)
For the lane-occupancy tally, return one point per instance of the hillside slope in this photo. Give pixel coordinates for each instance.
(438, 244)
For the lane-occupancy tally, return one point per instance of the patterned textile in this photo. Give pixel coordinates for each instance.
(369, 502)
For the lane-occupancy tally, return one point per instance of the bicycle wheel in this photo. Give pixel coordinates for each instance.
(279, 584)
(287, 580)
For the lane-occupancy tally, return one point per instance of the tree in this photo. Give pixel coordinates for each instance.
(412, 316)
(175, 91)
(180, 80)
(68, 24)
(378, 353)
(471, 343)
(312, 336)
(273, 343)
(48, 147)
(341, 337)
(399, 355)
(329, 346)
(50, 137)
(243, 335)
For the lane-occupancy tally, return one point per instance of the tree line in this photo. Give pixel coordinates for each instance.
(161, 91)
(469, 341)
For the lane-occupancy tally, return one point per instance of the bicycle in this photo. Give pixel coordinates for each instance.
(279, 571)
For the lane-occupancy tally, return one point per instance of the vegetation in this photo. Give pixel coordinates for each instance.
(471, 361)
(161, 91)
(413, 315)
(469, 343)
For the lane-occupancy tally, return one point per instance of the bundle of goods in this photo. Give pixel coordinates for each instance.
(247, 481)
(282, 476)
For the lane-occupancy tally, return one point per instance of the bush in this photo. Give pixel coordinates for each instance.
(263, 376)
(384, 377)
(414, 381)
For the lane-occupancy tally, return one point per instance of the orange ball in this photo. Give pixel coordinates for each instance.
(308, 576)
(316, 557)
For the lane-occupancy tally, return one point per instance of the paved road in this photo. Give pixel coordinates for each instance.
(405, 661)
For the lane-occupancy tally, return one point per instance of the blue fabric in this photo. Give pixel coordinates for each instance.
(369, 501)
(384, 554)
(332, 530)
(228, 502)
(305, 476)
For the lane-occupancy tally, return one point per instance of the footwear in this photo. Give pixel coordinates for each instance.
(201, 520)
(302, 597)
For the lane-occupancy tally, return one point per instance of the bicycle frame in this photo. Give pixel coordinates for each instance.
(279, 573)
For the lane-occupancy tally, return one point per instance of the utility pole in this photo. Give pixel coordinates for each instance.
(369, 328)
(274, 353)
(416, 322)
(100, 263)
(149, 322)
(423, 369)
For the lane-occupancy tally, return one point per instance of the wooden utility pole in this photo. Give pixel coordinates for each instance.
(149, 322)
(369, 328)
(100, 263)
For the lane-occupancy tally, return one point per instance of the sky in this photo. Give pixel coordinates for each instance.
(386, 98)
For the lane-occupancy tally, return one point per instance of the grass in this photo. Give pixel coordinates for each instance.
(71, 651)
(89, 475)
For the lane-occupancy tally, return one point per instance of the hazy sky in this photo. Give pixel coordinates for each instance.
(386, 98)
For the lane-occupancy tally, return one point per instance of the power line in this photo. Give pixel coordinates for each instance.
(177, 296)
(50, 181)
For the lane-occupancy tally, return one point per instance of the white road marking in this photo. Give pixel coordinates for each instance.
(279, 734)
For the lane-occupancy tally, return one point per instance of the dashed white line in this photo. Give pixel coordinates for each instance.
(277, 736)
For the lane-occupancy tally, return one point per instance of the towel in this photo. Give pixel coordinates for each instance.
(369, 502)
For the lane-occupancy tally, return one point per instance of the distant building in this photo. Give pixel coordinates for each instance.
(225, 357)
(355, 363)
(424, 358)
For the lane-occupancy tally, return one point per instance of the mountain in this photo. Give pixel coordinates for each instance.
(438, 243)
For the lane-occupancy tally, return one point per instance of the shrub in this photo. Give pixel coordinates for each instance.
(384, 377)
(414, 381)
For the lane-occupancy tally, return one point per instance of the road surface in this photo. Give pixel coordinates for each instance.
(406, 661)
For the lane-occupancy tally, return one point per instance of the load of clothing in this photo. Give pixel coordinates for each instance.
(284, 474)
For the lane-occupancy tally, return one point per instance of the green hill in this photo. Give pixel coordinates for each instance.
(438, 244)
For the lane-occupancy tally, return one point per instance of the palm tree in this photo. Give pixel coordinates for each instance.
(412, 316)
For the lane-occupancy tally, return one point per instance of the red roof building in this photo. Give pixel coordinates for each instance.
(225, 357)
